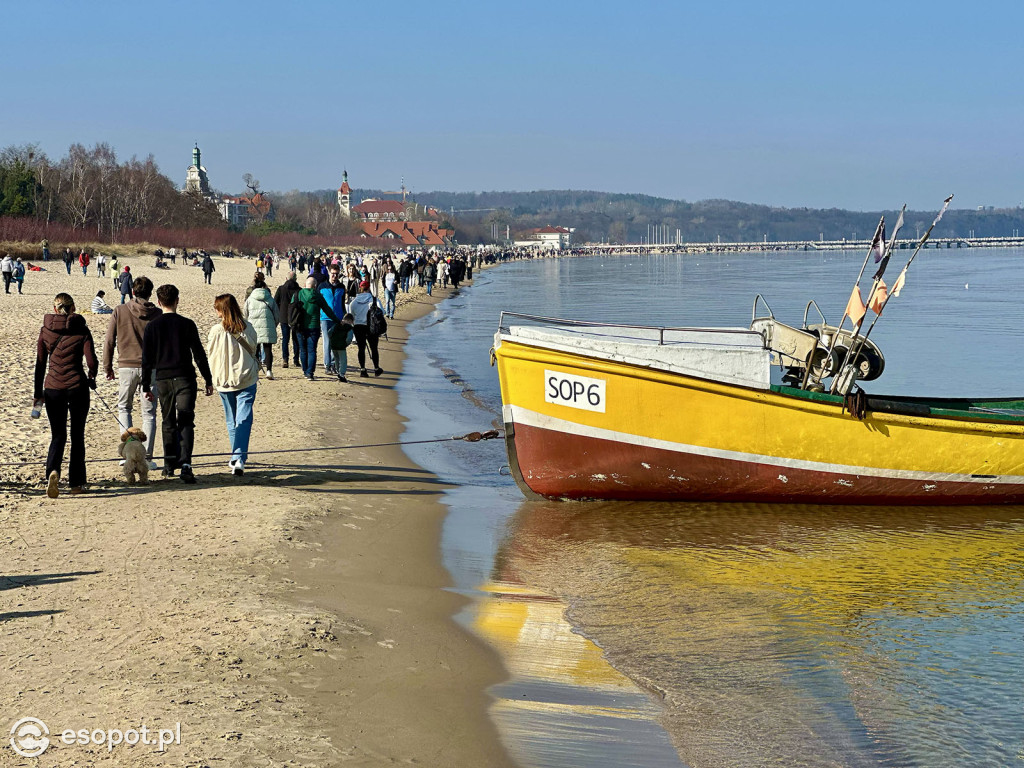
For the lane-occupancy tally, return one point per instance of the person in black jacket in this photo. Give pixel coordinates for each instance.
(169, 346)
(457, 271)
(405, 273)
(208, 268)
(289, 331)
(124, 284)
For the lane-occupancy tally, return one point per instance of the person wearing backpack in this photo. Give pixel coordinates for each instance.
(429, 276)
(19, 273)
(307, 305)
(368, 314)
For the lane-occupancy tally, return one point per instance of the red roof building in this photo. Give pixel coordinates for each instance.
(425, 234)
(380, 210)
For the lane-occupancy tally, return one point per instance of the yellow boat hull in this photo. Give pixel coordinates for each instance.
(585, 427)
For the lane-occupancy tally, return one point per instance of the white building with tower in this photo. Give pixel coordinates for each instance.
(345, 196)
(196, 180)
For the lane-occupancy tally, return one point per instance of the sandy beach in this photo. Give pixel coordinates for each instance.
(293, 616)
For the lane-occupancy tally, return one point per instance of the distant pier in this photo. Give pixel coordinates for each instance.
(802, 245)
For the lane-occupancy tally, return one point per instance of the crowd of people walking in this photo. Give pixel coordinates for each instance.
(324, 304)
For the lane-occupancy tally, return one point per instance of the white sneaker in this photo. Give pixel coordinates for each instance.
(270, 375)
(121, 463)
(238, 468)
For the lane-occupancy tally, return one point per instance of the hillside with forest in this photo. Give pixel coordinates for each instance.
(618, 218)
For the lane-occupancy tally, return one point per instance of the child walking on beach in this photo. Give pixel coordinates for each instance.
(341, 336)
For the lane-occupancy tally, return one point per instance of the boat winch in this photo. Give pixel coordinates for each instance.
(817, 351)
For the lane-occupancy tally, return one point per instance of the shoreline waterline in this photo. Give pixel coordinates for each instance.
(562, 703)
(414, 685)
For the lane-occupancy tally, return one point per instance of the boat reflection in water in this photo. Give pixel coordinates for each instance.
(775, 634)
(565, 704)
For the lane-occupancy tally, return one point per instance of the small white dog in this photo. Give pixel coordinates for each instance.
(133, 451)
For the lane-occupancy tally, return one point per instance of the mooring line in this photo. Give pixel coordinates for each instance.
(469, 437)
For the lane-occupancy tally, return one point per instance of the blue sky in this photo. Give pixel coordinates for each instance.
(855, 105)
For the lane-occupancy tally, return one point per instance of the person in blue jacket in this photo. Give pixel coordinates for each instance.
(333, 292)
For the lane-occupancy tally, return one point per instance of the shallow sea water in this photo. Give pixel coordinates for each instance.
(642, 634)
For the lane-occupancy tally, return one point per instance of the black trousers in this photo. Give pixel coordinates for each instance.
(266, 355)
(363, 338)
(178, 419)
(60, 403)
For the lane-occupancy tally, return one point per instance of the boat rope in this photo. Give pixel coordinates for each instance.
(856, 402)
(469, 437)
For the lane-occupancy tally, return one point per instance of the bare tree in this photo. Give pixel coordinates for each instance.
(259, 204)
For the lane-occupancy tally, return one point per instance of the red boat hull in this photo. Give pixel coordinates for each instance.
(558, 465)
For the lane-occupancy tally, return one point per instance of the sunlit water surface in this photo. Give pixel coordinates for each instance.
(651, 634)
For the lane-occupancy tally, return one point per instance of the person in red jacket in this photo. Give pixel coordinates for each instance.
(83, 262)
(62, 385)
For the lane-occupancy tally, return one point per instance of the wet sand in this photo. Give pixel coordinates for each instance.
(295, 616)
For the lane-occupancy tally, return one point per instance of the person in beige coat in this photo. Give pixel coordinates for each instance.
(231, 350)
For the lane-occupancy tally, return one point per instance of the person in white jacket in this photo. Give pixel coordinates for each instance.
(231, 350)
(7, 268)
(263, 313)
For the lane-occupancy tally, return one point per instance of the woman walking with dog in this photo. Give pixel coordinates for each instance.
(231, 350)
(62, 385)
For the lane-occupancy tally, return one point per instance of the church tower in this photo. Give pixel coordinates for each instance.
(195, 176)
(345, 196)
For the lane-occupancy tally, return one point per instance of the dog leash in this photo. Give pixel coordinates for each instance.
(109, 409)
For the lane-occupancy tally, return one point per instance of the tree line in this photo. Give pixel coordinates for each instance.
(95, 193)
(89, 194)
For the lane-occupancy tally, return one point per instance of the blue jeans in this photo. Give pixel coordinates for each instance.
(430, 287)
(340, 359)
(308, 338)
(238, 415)
(405, 284)
(389, 308)
(325, 334)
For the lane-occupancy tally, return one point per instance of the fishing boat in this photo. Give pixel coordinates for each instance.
(597, 411)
